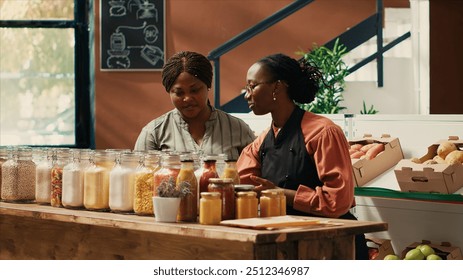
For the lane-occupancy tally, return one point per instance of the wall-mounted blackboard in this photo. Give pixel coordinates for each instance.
(132, 35)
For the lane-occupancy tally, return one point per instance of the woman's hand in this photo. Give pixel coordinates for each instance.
(264, 184)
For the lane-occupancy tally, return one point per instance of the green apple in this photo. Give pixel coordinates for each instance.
(414, 254)
(433, 257)
(391, 257)
(426, 250)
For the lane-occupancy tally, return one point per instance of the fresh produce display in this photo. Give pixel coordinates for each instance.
(420, 252)
(447, 153)
(365, 151)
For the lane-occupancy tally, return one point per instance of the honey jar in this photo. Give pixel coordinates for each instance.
(226, 189)
(281, 193)
(210, 208)
(246, 205)
(269, 203)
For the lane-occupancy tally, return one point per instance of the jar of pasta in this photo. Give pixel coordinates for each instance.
(269, 203)
(122, 182)
(61, 157)
(210, 208)
(96, 180)
(227, 191)
(246, 205)
(18, 176)
(143, 192)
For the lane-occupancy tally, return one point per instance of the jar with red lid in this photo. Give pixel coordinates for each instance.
(225, 187)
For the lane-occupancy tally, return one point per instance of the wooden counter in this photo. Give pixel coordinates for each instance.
(30, 231)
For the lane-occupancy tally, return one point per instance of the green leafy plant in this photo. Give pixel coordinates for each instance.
(366, 111)
(334, 71)
(168, 188)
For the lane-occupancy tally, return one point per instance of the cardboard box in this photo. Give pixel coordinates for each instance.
(378, 248)
(366, 170)
(444, 250)
(430, 178)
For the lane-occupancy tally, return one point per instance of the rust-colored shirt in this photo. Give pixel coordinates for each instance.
(326, 143)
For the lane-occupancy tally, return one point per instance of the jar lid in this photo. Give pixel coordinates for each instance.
(244, 187)
(221, 180)
(270, 192)
(246, 194)
(210, 194)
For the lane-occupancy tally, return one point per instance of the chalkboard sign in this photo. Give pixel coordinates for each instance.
(132, 35)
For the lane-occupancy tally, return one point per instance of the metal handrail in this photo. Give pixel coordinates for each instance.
(352, 38)
(215, 54)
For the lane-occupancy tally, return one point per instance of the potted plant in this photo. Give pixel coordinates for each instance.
(166, 200)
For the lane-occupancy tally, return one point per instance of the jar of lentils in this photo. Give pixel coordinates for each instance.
(18, 176)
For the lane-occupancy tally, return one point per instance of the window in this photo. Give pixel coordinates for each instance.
(45, 73)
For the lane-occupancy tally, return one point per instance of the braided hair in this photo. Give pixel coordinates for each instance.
(190, 62)
(302, 77)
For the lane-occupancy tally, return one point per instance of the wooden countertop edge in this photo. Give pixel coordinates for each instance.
(148, 223)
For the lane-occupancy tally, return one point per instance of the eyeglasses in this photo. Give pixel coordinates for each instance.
(250, 87)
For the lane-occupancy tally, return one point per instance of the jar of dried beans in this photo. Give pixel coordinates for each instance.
(18, 176)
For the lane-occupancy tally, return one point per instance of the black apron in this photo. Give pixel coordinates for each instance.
(286, 163)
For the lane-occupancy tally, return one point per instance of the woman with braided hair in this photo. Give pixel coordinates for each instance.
(302, 153)
(194, 125)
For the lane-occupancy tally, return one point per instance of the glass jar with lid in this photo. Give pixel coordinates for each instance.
(210, 208)
(61, 158)
(44, 164)
(3, 158)
(230, 171)
(282, 196)
(122, 182)
(208, 171)
(73, 179)
(246, 205)
(143, 193)
(18, 176)
(225, 187)
(96, 180)
(167, 174)
(188, 210)
(269, 203)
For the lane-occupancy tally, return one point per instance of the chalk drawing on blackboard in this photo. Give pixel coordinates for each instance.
(143, 10)
(119, 52)
(117, 8)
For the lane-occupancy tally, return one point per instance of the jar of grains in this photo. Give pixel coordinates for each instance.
(43, 175)
(143, 193)
(18, 176)
(170, 167)
(188, 210)
(210, 208)
(96, 180)
(3, 159)
(246, 205)
(61, 158)
(122, 182)
(73, 179)
(269, 203)
(226, 189)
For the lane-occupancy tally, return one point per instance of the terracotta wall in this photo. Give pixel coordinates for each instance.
(126, 101)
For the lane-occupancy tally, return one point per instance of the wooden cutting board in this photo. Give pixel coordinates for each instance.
(270, 223)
